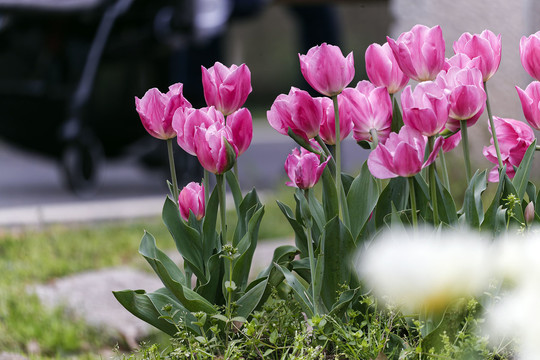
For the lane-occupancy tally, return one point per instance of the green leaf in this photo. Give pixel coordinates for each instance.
(249, 205)
(518, 210)
(210, 240)
(493, 213)
(396, 192)
(330, 197)
(450, 324)
(361, 200)
(251, 299)
(299, 291)
(446, 205)
(345, 299)
(163, 297)
(523, 172)
(397, 118)
(472, 203)
(298, 228)
(168, 274)
(235, 188)
(423, 203)
(187, 239)
(215, 272)
(531, 192)
(139, 304)
(338, 248)
(283, 255)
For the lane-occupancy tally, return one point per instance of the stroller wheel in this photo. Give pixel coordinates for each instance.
(80, 163)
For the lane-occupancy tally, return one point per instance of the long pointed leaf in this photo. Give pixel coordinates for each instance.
(300, 234)
(361, 200)
(235, 188)
(472, 203)
(299, 291)
(523, 172)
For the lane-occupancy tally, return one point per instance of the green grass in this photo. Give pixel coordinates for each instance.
(30, 257)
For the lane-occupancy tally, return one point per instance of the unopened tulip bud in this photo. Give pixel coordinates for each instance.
(191, 198)
(529, 213)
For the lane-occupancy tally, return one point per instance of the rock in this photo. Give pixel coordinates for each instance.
(12, 356)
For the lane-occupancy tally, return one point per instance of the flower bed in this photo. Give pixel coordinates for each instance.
(385, 265)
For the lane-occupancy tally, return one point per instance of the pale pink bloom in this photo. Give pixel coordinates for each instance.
(326, 69)
(186, 120)
(402, 154)
(530, 102)
(215, 148)
(191, 198)
(485, 46)
(529, 52)
(298, 111)
(156, 110)
(304, 168)
(371, 110)
(226, 88)
(383, 70)
(425, 109)
(328, 121)
(464, 90)
(514, 137)
(241, 125)
(419, 52)
(461, 61)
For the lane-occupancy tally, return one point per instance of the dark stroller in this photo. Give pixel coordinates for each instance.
(69, 71)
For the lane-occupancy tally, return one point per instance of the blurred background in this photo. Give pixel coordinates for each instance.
(69, 72)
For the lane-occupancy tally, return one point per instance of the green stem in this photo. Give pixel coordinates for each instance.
(444, 170)
(432, 185)
(465, 143)
(327, 153)
(311, 255)
(412, 194)
(229, 291)
(222, 207)
(374, 144)
(493, 131)
(338, 156)
(173, 169)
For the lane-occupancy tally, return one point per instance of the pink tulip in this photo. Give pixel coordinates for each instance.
(419, 52)
(326, 69)
(383, 70)
(464, 90)
(451, 142)
(226, 88)
(298, 111)
(156, 110)
(461, 61)
(241, 125)
(425, 109)
(304, 168)
(328, 121)
(186, 120)
(485, 46)
(529, 52)
(371, 109)
(215, 148)
(514, 138)
(191, 198)
(401, 155)
(530, 101)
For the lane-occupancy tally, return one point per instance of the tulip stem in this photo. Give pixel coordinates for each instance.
(374, 144)
(444, 170)
(465, 143)
(173, 170)
(413, 203)
(493, 131)
(206, 183)
(222, 207)
(338, 159)
(327, 154)
(311, 255)
(432, 185)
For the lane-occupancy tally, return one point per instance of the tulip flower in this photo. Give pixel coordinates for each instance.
(465, 92)
(425, 109)
(328, 125)
(191, 198)
(185, 121)
(156, 110)
(461, 61)
(485, 46)
(515, 137)
(304, 168)
(530, 99)
(372, 110)
(529, 52)
(241, 125)
(451, 142)
(401, 155)
(226, 88)
(419, 52)
(215, 148)
(298, 111)
(383, 70)
(326, 69)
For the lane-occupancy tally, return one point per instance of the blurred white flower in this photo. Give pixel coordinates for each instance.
(426, 269)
